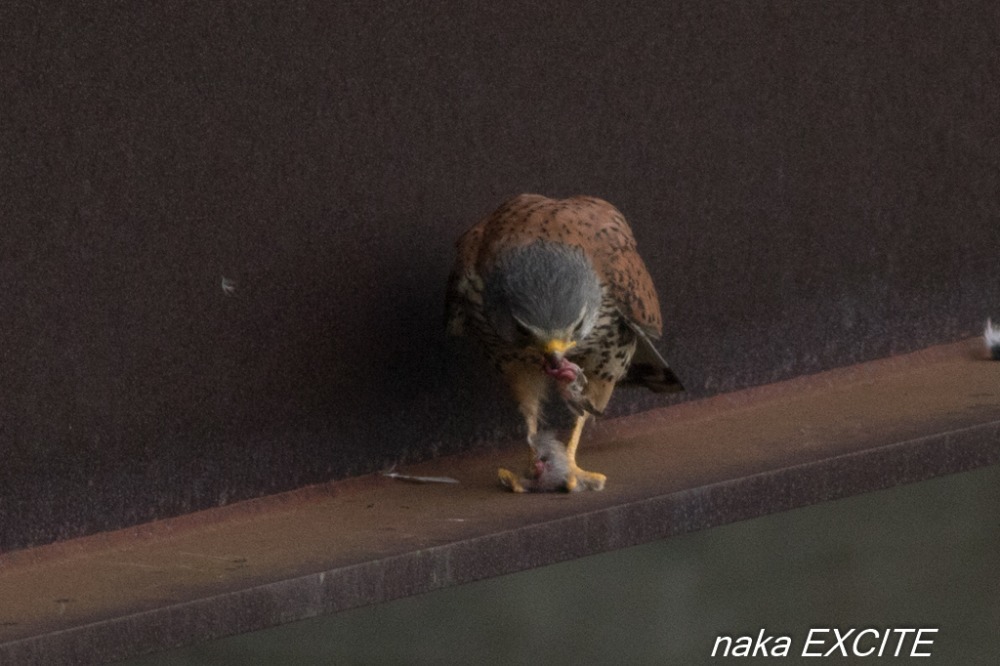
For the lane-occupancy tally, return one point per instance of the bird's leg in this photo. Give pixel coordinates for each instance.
(598, 393)
(528, 387)
(530, 410)
(507, 478)
(589, 480)
(531, 424)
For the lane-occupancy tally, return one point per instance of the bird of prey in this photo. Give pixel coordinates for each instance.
(558, 296)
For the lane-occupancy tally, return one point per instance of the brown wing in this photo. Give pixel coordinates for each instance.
(608, 239)
(462, 290)
(586, 222)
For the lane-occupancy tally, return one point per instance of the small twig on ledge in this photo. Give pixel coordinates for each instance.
(416, 479)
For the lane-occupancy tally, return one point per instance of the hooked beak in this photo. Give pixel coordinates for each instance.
(554, 352)
(556, 364)
(558, 347)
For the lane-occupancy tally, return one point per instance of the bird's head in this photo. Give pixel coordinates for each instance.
(545, 297)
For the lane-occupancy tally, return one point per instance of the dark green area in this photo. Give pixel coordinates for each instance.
(924, 555)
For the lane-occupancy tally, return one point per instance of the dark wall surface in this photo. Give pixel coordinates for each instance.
(226, 228)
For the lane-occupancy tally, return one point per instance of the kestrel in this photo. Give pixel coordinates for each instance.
(559, 297)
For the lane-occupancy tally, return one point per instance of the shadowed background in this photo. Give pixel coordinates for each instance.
(227, 228)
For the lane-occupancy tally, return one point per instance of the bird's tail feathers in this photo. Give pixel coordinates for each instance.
(649, 368)
(656, 378)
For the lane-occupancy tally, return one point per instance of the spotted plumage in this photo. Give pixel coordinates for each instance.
(557, 293)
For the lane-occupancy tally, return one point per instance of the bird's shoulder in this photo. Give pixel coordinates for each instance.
(586, 222)
(589, 223)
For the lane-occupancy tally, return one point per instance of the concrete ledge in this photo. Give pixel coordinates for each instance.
(331, 547)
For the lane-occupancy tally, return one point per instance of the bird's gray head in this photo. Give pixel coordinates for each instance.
(544, 296)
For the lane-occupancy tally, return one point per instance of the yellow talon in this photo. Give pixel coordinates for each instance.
(509, 480)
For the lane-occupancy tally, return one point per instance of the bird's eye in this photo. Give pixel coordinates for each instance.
(543, 459)
(522, 329)
(578, 327)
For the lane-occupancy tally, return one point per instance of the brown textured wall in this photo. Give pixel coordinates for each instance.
(226, 227)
